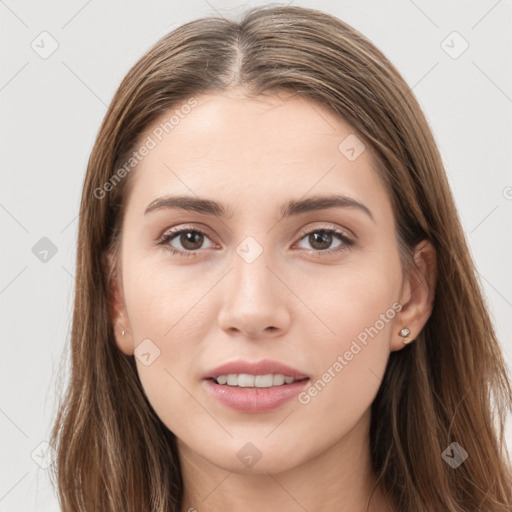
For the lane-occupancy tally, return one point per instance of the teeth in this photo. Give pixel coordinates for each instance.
(245, 380)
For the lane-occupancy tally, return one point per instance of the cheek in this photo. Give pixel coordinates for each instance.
(352, 302)
(350, 365)
(160, 296)
(170, 316)
(355, 311)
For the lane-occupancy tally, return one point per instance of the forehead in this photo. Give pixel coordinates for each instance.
(250, 150)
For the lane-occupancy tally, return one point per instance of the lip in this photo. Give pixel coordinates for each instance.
(254, 400)
(263, 367)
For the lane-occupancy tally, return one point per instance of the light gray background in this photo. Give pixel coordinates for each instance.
(51, 110)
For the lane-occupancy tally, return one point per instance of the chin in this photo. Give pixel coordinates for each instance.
(252, 457)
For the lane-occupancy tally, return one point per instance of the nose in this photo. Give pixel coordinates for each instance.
(255, 301)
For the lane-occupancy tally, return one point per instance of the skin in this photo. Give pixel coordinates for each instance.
(253, 155)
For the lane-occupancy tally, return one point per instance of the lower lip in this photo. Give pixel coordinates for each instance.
(254, 400)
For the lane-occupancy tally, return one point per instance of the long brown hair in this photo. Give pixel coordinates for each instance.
(450, 385)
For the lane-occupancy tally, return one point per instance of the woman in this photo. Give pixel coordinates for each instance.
(276, 308)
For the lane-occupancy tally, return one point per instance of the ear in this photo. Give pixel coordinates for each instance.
(418, 293)
(116, 306)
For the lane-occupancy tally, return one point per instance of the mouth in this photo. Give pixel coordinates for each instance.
(254, 387)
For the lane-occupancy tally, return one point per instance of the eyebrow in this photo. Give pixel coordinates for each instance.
(290, 208)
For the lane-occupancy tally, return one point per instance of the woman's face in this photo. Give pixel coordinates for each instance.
(256, 277)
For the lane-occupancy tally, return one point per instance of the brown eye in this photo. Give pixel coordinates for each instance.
(321, 240)
(189, 241)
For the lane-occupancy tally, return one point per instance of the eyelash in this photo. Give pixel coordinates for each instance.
(170, 235)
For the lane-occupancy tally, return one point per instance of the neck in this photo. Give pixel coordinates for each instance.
(338, 479)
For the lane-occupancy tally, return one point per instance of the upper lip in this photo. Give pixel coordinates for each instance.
(263, 367)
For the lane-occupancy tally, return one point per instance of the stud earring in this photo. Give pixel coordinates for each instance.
(122, 332)
(404, 333)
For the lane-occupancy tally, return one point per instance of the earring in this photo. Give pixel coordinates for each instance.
(404, 333)
(122, 332)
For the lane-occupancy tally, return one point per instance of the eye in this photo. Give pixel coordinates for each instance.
(321, 239)
(190, 239)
